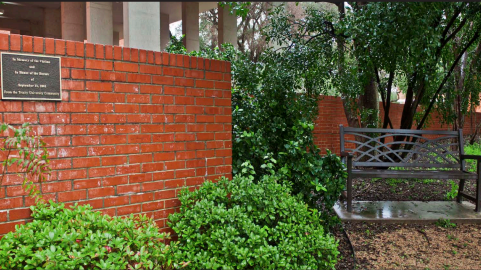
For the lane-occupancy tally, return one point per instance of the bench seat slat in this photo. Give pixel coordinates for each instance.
(410, 174)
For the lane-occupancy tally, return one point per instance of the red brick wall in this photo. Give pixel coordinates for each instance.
(331, 115)
(132, 128)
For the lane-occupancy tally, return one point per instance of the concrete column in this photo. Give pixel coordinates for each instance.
(100, 27)
(142, 25)
(190, 25)
(52, 26)
(227, 27)
(73, 20)
(164, 31)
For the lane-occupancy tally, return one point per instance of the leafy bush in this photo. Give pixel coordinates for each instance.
(240, 224)
(28, 152)
(472, 149)
(79, 238)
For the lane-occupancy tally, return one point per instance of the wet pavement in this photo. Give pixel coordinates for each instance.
(408, 211)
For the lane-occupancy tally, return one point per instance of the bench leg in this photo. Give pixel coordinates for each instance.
(459, 198)
(349, 193)
(478, 189)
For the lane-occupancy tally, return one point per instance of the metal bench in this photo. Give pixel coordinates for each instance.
(407, 154)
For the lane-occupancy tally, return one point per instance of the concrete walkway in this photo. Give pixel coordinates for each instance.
(408, 212)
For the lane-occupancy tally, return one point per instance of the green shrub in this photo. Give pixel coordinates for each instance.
(79, 238)
(241, 224)
(472, 149)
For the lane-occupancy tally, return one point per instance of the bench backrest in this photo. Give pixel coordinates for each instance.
(423, 148)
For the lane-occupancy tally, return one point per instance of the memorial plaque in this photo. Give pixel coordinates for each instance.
(31, 77)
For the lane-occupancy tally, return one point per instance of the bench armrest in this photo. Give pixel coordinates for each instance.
(476, 157)
(346, 154)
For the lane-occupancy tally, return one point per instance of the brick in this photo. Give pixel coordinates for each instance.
(174, 128)
(117, 53)
(71, 107)
(98, 64)
(115, 201)
(150, 89)
(139, 78)
(191, 73)
(156, 128)
(162, 100)
(59, 47)
(72, 152)
(138, 98)
(16, 214)
(101, 150)
(126, 210)
(138, 118)
(55, 118)
(85, 118)
(152, 109)
(151, 167)
(90, 50)
(164, 80)
(87, 184)
(85, 140)
(56, 187)
(72, 196)
(99, 51)
(174, 109)
(126, 54)
(140, 138)
(100, 108)
(126, 88)
(71, 130)
(196, 128)
(127, 129)
(102, 171)
(152, 206)
(83, 96)
(142, 158)
(134, 55)
(99, 86)
(4, 42)
(86, 162)
(115, 160)
(184, 82)
(20, 118)
(9, 203)
(27, 43)
(9, 227)
(126, 67)
(127, 108)
(113, 118)
(154, 147)
(166, 194)
(73, 85)
(178, 72)
(115, 181)
(127, 149)
(112, 98)
(128, 189)
(184, 100)
(79, 49)
(174, 147)
(101, 129)
(113, 139)
(195, 92)
(49, 46)
(142, 197)
(139, 178)
(101, 192)
(148, 69)
(162, 176)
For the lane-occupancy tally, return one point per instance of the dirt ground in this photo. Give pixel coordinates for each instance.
(408, 246)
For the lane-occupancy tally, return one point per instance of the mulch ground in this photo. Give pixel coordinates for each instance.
(408, 246)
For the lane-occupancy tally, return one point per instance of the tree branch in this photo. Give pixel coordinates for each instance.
(433, 100)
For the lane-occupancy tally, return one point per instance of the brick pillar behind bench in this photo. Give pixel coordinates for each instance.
(133, 127)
